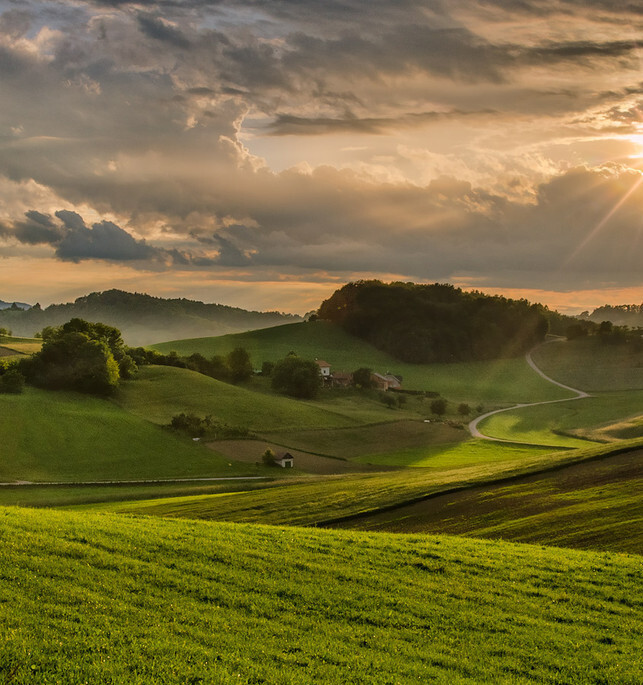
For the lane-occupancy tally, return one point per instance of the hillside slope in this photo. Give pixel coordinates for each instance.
(504, 380)
(593, 505)
(65, 436)
(90, 598)
(142, 318)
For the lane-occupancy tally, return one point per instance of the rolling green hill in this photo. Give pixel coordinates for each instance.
(322, 500)
(98, 598)
(592, 366)
(557, 424)
(162, 391)
(60, 436)
(502, 381)
(592, 505)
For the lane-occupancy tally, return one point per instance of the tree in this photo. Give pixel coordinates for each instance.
(5, 331)
(79, 356)
(439, 406)
(296, 377)
(362, 378)
(240, 365)
(268, 458)
(12, 381)
(267, 368)
(464, 409)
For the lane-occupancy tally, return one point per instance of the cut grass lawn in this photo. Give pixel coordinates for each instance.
(505, 381)
(592, 505)
(52, 436)
(590, 365)
(316, 501)
(91, 598)
(555, 424)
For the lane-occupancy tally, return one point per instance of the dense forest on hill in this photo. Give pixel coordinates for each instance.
(438, 322)
(144, 319)
(621, 315)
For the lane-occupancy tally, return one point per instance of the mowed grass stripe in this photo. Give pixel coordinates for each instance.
(97, 598)
(592, 505)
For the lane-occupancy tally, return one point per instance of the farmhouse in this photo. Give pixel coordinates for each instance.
(285, 460)
(385, 382)
(342, 379)
(324, 368)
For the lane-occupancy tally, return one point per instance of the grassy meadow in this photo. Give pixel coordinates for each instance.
(558, 424)
(504, 381)
(590, 505)
(65, 436)
(592, 366)
(100, 598)
(161, 392)
(314, 501)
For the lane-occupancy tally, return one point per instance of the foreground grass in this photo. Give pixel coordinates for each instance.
(64, 436)
(592, 505)
(107, 599)
(556, 424)
(316, 501)
(502, 381)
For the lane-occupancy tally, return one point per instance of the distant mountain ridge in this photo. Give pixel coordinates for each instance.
(144, 319)
(7, 305)
(621, 315)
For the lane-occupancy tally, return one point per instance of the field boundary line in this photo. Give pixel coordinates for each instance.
(155, 481)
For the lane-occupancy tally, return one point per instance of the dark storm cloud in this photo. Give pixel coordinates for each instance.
(153, 27)
(137, 109)
(288, 124)
(38, 229)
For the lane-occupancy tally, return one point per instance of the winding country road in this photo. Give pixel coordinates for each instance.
(579, 394)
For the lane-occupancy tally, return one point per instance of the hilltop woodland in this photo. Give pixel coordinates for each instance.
(142, 319)
(437, 323)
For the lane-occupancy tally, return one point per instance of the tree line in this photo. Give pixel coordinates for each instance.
(435, 323)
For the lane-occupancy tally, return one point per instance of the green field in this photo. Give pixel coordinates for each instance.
(591, 365)
(505, 381)
(315, 501)
(557, 424)
(97, 599)
(20, 345)
(52, 436)
(160, 392)
(592, 505)
(453, 455)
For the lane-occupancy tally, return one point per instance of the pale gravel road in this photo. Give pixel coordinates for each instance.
(579, 394)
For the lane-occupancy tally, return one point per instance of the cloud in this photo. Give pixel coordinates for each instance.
(421, 138)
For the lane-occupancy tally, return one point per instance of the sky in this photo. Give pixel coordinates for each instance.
(262, 153)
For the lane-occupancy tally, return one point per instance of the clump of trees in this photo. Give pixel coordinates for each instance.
(208, 427)
(79, 355)
(435, 323)
(296, 377)
(236, 367)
